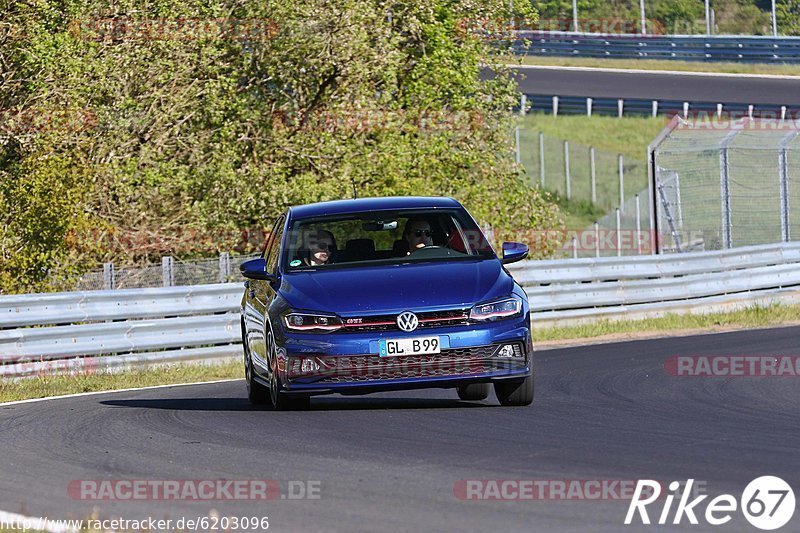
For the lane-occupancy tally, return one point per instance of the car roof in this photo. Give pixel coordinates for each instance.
(338, 207)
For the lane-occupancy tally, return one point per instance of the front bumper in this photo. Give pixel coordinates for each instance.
(349, 364)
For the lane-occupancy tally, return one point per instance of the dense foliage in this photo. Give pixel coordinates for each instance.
(175, 120)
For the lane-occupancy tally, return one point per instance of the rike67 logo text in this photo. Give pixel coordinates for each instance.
(767, 503)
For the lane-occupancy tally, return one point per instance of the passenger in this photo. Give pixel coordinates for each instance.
(416, 235)
(318, 247)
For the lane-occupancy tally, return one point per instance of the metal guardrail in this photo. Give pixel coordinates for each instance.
(675, 47)
(106, 330)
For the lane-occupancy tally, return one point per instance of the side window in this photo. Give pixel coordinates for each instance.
(274, 250)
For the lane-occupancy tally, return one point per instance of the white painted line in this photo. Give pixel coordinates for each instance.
(14, 521)
(665, 72)
(94, 393)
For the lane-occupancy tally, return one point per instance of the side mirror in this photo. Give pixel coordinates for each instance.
(513, 252)
(257, 269)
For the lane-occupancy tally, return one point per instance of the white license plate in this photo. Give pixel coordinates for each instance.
(414, 346)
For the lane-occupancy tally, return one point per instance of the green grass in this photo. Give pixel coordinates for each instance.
(628, 136)
(779, 69)
(41, 387)
(752, 317)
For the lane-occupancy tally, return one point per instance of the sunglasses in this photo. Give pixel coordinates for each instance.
(322, 246)
(421, 232)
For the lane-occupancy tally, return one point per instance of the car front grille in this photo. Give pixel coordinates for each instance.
(431, 319)
(365, 368)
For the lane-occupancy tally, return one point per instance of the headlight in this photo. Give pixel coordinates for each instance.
(498, 309)
(312, 323)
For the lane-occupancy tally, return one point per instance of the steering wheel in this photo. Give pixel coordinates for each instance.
(431, 247)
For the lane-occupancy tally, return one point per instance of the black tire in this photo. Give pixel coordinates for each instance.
(257, 393)
(515, 392)
(279, 400)
(474, 392)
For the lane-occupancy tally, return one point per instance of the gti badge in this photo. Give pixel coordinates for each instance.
(407, 321)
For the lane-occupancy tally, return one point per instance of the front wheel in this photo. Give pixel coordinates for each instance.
(257, 393)
(474, 392)
(515, 392)
(280, 401)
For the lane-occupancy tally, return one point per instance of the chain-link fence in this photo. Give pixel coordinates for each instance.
(726, 184)
(609, 182)
(170, 272)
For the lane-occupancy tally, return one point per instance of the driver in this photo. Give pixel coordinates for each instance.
(417, 234)
(318, 247)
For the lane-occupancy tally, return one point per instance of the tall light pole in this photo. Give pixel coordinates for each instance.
(644, 23)
(774, 21)
(708, 19)
(575, 15)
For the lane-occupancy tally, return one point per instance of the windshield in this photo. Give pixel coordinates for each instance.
(383, 238)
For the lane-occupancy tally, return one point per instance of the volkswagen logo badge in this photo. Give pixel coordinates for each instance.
(407, 321)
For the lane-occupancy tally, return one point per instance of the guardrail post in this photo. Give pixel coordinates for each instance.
(619, 234)
(517, 154)
(566, 169)
(109, 277)
(167, 271)
(541, 158)
(588, 107)
(719, 110)
(555, 106)
(621, 181)
(620, 106)
(593, 174)
(783, 113)
(523, 105)
(686, 110)
(574, 248)
(655, 108)
(224, 266)
(750, 111)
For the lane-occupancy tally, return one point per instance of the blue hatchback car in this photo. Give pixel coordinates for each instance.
(379, 294)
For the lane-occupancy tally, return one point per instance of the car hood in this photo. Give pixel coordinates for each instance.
(395, 288)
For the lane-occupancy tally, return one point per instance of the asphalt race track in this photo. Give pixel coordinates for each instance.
(391, 461)
(655, 86)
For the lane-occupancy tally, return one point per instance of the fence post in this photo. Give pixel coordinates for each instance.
(555, 106)
(725, 197)
(596, 239)
(523, 105)
(109, 277)
(593, 174)
(621, 181)
(686, 110)
(655, 108)
(516, 144)
(619, 234)
(541, 158)
(588, 107)
(638, 226)
(574, 248)
(224, 266)
(167, 271)
(620, 105)
(719, 110)
(784, 184)
(750, 111)
(566, 169)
